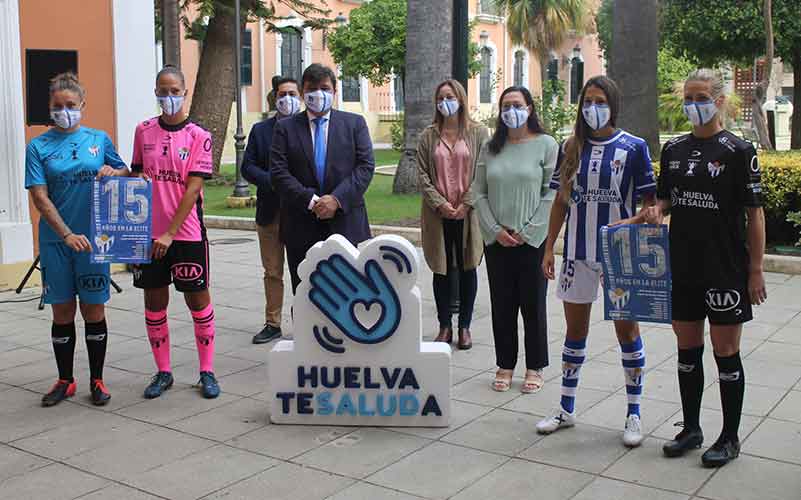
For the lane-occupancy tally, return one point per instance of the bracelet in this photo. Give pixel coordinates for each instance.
(65, 236)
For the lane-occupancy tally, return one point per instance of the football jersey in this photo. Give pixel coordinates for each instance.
(709, 183)
(67, 164)
(169, 154)
(613, 173)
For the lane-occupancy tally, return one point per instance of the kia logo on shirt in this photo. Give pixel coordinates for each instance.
(93, 282)
(695, 154)
(187, 271)
(722, 300)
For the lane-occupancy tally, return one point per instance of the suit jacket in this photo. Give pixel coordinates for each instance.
(256, 170)
(348, 171)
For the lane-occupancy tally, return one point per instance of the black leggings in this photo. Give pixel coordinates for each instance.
(453, 231)
(518, 285)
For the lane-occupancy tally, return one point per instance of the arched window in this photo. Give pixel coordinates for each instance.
(519, 71)
(488, 7)
(553, 68)
(292, 53)
(397, 83)
(485, 78)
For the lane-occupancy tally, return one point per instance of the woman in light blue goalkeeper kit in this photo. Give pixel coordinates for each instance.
(60, 167)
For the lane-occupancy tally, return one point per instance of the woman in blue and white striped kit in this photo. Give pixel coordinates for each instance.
(601, 173)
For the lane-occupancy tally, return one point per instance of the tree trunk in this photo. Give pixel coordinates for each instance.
(795, 127)
(428, 62)
(760, 120)
(170, 33)
(633, 67)
(215, 87)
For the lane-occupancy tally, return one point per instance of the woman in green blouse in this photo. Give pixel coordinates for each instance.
(513, 200)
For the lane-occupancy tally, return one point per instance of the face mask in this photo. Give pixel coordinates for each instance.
(319, 101)
(515, 117)
(288, 105)
(66, 118)
(596, 115)
(448, 107)
(700, 113)
(171, 104)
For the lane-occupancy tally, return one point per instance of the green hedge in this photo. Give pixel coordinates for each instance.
(781, 185)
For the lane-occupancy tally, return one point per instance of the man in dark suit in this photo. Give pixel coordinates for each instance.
(321, 163)
(256, 169)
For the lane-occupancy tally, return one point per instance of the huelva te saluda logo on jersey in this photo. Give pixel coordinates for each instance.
(363, 305)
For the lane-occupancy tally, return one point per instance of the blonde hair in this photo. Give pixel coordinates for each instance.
(66, 81)
(465, 122)
(717, 87)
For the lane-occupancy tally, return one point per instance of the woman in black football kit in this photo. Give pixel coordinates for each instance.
(710, 184)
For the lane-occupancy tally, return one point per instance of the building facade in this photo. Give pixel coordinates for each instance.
(267, 53)
(105, 50)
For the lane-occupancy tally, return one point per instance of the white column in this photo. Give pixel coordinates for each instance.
(262, 83)
(134, 70)
(16, 237)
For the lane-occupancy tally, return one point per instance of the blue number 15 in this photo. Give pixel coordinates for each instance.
(135, 216)
(645, 249)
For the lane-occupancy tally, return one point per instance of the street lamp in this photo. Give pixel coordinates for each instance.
(340, 21)
(483, 36)
(461, 36)
(241, 189)
(576, 74)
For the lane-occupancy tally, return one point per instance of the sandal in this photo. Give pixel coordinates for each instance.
(533, 382)
(501, 383)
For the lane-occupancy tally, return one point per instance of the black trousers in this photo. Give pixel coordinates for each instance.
(518, 285)
(453, 231)
(295, 255)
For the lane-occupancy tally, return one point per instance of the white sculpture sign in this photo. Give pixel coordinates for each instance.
(357, 357)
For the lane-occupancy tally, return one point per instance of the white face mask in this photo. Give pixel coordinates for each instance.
(515, 117)
(66, 118)
(448, 107)
(171, 104)
(700, 113)
(319, 101)
(596, 115)
(288, 105)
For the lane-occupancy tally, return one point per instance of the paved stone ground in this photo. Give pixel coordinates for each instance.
(182, 446)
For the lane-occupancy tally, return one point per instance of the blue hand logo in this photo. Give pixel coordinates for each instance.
(346, 296)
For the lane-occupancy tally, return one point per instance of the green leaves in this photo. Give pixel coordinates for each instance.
(543, 25)
(728, 31)
(373, 44)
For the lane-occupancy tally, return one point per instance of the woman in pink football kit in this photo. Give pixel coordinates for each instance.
(176, 155)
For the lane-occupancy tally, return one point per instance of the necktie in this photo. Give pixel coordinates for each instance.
(320, 148)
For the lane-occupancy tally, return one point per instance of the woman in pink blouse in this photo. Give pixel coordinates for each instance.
(446, 158)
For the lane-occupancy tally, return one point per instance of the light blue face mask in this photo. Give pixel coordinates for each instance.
(288, 105)
(170, 104)
(448, 107)
(65, 118)
(700, 113)
(515, 117)
(319, 101)
(596, 115)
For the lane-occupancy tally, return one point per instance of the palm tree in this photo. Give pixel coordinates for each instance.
(544, 25)
(428, 62)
